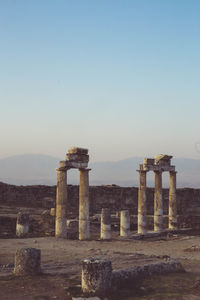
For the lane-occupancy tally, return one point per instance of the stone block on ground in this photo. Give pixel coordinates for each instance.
(96, 277)
(27, 262)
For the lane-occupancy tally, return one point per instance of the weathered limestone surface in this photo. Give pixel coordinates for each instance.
(96, 276)
(61, 203)
(78, 150)
(158, 203)
(127, 277)
(77, 158)
(161, 163)
(125, 223)
(72, 229)
(53, 212)
(163, 159)
(84, 222)
(22, 225)
(105, 224)
(99, 279)
(172, 201)
(142, 207)
(27, 262)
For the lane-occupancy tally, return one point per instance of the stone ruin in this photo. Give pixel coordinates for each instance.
(97, 277)
(76, 158)
(161, 163)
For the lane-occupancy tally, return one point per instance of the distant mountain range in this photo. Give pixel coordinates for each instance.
(33, 169)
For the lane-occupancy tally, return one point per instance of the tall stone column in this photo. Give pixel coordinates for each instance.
(142, 198)
(61, 203)
(158, 202)
(172, 201)
(84, 222)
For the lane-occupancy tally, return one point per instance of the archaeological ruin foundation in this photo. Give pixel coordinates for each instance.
(149, 209)
(79, 158)
(100, 216)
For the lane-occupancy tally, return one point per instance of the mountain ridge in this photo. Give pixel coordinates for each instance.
(29, 169)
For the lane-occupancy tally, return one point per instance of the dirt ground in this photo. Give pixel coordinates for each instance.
(61, 265)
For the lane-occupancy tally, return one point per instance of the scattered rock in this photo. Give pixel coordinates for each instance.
(193, 248)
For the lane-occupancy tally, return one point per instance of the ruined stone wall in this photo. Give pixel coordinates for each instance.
(115, 197)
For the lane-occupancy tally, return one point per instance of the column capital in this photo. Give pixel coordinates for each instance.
(158, 171)
(84, 169)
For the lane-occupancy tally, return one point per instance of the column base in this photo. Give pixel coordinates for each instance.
(61, 228)
(105, 232)
(84, 229)
(142, 223)
(173, 224)
(158, 223)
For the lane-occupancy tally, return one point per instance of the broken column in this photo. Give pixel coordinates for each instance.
(158, 202)
(172, 201)
(22, 225)
(53, 212)
(142, 198)
(96, 276)
(84, 222)
(125, 223)
(27, 262)
(61, 201)
(105, 224)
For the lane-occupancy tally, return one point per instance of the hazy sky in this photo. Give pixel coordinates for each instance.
(119, 77)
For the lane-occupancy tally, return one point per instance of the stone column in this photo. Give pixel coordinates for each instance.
(158, 202)
(125, 223)
(84, 221)
(172, 201)
(96, 277)
(22, 226)
(27, 262)
(61, 202)
(105, 224)
(142, 198)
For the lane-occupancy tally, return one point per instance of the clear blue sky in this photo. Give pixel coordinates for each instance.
(119, 77)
